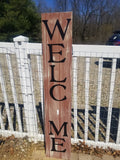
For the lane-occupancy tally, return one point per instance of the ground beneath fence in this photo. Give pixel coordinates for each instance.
(12, 148)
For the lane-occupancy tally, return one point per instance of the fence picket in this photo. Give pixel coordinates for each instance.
(87, 96)
(23, 83)
(75, 95)
(112, 83)
(40, 71)
(98, 98)
(5, 99)
(14, 91)
(35, 127)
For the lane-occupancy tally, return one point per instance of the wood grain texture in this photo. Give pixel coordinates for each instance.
(57, 59)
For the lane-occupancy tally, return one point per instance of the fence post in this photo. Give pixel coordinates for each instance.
(24, 68)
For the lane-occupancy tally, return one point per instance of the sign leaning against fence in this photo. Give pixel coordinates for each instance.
(57, 60)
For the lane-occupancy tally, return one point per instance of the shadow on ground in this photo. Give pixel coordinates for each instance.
(102, 123)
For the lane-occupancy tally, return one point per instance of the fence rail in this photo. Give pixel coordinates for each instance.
(95, 112)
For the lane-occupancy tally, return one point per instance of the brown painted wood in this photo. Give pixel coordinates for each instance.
(57, 60)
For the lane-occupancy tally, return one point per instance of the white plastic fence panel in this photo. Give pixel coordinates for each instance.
(98, 98)
(22, 49)
(112, 84)
(87, 96)
(75, 95)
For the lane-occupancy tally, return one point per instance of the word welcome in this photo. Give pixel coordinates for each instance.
(57, 82)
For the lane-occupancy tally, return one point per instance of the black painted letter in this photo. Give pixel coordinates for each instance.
(62, 33)
(58, 144)
(51, 52)
(56, 130)
(51, 92)
(52, 75)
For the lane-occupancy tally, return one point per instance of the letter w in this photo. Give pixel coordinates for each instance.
(62, 33)
(56, 130)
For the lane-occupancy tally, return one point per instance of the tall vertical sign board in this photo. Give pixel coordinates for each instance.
(57, 58)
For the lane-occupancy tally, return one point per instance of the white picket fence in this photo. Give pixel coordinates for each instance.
(95, 112)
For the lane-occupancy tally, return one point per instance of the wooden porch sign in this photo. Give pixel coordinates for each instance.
(57, 58)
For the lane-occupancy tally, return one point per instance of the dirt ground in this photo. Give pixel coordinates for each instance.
(12, 148)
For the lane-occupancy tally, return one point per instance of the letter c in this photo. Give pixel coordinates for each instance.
(51, 92)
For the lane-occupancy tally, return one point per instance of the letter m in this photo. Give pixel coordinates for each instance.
(62, 33)
(56, 130)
